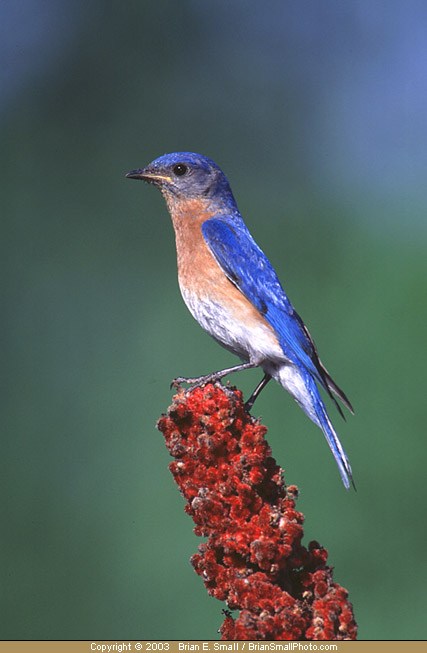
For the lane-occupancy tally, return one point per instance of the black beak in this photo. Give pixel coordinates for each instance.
(148, 175)
(136, 174)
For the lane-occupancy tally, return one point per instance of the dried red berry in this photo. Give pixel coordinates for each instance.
(253, 559)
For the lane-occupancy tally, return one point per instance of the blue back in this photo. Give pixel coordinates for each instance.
(246, 265)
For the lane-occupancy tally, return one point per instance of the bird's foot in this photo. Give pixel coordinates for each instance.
(250, 402)
(198, 380)
(212, 377)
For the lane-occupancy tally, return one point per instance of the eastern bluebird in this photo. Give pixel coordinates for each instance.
(232, 290)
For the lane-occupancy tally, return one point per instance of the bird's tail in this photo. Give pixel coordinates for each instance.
(334, 442)
(303, 388)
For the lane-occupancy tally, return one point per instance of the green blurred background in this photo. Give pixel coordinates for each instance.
(317, 112)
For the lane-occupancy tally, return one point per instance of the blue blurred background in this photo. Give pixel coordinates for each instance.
(317, 112)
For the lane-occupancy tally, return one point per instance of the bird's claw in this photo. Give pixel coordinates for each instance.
(175, 383)
(196, 382)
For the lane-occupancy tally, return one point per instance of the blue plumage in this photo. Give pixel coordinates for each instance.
(202, 205)
(240, 257)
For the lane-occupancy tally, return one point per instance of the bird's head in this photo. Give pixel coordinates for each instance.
(187, 176)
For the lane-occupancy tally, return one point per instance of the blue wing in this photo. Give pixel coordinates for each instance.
(247, 267)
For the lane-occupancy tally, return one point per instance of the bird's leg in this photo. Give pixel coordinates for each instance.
(213, 376)
(250, 402)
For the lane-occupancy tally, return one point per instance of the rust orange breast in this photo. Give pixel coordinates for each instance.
(198, 272)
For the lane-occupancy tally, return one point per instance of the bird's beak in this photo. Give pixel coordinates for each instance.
(147, 175)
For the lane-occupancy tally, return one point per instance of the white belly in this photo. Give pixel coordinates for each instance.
(250, 340)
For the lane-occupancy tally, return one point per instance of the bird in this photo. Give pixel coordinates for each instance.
(233, 291)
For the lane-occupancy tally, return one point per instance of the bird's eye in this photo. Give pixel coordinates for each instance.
(180, 169)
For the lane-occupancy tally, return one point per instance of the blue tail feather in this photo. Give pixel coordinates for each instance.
(331, 436)
(303, 388)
